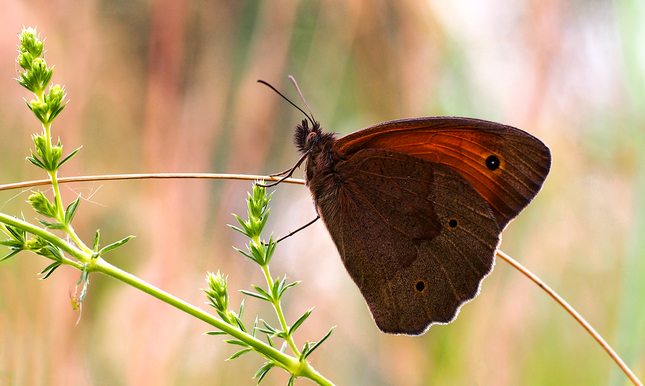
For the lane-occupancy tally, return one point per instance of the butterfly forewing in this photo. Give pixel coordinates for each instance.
(505, 165)
(414, 235)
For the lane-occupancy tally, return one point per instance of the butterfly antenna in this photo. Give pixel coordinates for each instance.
(293, 80)
(289, 100)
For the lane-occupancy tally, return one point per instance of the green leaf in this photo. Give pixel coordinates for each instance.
(97, 236)
(11, 243)
(10, 255)
(263, 292)
(273, 330)
(213, 333)
(255, 327)
(51, 252)
(240, 324)
(291, 380)
(246, 227)
(71, 210)
(315, 346)
(51, 224)
(117, 244)
(246, 254)
(223, 315)
(244, 230)
(274, 289)
(255, 295)
(241, 309)
(300, 320)
(36, 161)
(85, 279)
(41, 204)
(239, 354)
(19, 235)
(236, 342)
(270, 341)
(70, 154)
(304, 352)
(286, 287)
(49, 270)
(265, 331)
(262, 372)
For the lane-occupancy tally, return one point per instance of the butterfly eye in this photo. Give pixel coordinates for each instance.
(311, 137)
(492, 162)
(452, 223)
(420, 286)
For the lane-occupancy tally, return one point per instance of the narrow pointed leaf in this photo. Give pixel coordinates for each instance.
(117, 244)
(10, 255)
(262, 372)
(267, 325)
(298, 322)
(69, 156)
(34, 160)
(304, 352)
(315, 346)
(223, 316)
(71, 210)
(255, 327)
(236, 342)
(12, 243)
(239, 354)
(240, 324)
(255, 295)
(262, 292)
(286, 287)
(270, 341)
(274, 289)
(51, 224)
(238, 229)
(49, 270)
(97, 236)
(55, 251)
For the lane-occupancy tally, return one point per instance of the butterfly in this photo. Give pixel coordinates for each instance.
(416, 207)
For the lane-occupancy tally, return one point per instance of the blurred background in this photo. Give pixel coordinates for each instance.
(170, 86)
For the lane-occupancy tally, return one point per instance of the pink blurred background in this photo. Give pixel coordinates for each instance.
(170, 86)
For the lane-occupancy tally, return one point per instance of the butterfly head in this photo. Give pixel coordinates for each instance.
(312, 139)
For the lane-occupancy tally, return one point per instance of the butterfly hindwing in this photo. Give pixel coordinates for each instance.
(414, 235)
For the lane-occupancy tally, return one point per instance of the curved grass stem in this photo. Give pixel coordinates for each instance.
(632, 377)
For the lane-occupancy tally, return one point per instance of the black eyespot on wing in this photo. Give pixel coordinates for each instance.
(420, 286)
(492, 162)
(452, 223)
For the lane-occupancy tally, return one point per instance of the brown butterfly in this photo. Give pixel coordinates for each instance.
(416, 208)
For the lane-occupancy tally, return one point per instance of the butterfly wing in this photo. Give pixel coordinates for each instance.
(505, 165)
(414, 235)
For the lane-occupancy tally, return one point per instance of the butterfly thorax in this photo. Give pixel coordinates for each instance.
(321, 177)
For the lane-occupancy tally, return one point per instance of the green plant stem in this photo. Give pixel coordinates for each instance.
(289, 363)
(47, 130)
(81, 256)
(60, 214)
(293, 365)
(53, 176)
(278, 310)
(116, 273)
